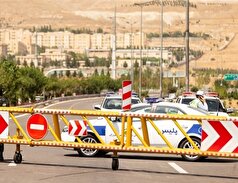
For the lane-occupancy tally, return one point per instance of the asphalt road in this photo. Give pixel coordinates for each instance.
(51, 164)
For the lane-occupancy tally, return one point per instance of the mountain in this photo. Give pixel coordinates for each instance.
(217, 18)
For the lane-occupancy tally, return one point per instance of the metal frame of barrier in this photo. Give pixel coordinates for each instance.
(123, 141)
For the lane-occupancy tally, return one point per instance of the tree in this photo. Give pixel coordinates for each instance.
(102, 72)
(31, 82)
(125, 65)
(68, 73)
(80, 74)
(8, 80)
(95, 72)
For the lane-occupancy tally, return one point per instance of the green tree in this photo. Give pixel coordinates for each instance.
(31, 82)
(8, 80)
(125, 65)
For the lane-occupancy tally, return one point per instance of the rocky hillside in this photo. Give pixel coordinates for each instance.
(217, 18)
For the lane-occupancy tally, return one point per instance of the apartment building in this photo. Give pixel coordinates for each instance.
(64, 40)
(23, 42)
(3, 50)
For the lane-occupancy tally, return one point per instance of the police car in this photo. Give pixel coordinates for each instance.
(167, 127)
(215, 105)
(114, 102)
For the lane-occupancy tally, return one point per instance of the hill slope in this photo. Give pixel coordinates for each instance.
(219, 19)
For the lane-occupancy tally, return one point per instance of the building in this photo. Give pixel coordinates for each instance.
(3, 50)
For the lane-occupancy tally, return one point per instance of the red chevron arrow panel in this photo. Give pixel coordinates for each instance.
(4, 118)
(77, 128)
(220, 136)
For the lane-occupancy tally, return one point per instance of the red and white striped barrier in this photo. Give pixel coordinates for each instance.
(220, 136)
(126, 95)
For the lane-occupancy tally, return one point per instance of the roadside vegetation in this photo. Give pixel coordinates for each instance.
(27, 82)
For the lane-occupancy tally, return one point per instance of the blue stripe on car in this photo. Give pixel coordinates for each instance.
(196, 128)
(100, 129)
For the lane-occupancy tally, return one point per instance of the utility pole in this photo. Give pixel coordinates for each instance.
(182, 3)
(132, 56)
(187, 46)
(141, 63)
(161, 50)
(114, 44)
(36, 50)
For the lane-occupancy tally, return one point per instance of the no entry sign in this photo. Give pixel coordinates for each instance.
(37, 126)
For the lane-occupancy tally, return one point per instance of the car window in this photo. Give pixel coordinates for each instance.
(116, 103)
(135, 101)
(167, 110)
(146, 109)
(196, 111)
(112, 104)
(215, 105)
(187, 100)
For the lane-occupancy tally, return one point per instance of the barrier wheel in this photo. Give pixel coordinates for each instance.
(1, 151)
(115, 163)
(17, 158)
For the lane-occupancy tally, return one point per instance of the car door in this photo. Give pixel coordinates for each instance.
(168, 127)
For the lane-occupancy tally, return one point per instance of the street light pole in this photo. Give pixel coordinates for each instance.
(132, 57)
(161, 50)
(187, 46)
(114, 45)
(182, 3)
(140, 71)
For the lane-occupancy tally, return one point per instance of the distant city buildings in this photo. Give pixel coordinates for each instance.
(22, 42)
(40, 48)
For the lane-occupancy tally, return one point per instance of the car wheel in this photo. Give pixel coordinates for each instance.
(186, 145)
(88, 152)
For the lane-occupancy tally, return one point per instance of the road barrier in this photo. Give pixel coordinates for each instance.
(43, 128)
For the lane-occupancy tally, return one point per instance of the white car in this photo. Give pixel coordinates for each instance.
(114, 102)
(215, 105)
(167, 127)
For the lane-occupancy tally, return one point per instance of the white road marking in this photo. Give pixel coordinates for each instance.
(177, 168)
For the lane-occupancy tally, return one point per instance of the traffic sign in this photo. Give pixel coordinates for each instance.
(126, 95)
(77, 128)
(4, 121)
(230, 77)
(220, 136)
(37, 126)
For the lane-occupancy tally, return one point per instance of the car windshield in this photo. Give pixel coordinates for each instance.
(116, 103)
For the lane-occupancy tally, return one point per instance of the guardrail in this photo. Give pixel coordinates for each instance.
(59, 99)
(129, 132)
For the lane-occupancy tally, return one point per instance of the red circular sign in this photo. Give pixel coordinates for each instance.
(37, 126)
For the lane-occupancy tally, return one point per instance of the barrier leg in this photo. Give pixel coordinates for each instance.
(17, 156)
(1, 151)
(115, 161)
